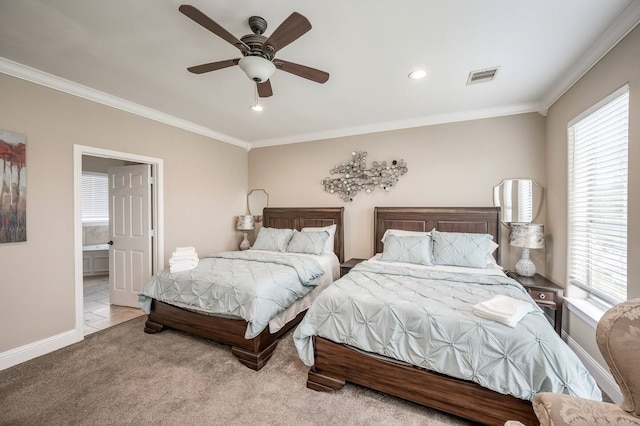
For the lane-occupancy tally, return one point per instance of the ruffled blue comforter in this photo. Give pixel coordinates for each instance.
(252, 285)
(425, 318)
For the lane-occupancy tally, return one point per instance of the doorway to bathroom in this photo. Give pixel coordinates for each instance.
(106, 288)
(99, 310)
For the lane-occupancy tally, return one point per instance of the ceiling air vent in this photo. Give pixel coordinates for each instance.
(480, 76)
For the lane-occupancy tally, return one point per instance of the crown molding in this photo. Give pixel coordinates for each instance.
(44, 79)
(623, 25)
(48, 80)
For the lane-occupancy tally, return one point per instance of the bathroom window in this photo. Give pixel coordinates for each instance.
(95, 198)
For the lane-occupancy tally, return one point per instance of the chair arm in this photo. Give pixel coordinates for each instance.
(560, 409)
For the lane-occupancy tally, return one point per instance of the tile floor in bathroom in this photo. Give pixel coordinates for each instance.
(98, 313)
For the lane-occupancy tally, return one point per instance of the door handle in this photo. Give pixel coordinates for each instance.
(110, 243)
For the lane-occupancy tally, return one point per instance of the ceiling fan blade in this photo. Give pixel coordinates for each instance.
(291, 28)
(209, 24)
(212, 66)
(302, 71)
(264, 89)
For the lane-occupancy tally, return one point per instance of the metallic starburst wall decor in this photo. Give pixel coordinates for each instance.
(357, 177)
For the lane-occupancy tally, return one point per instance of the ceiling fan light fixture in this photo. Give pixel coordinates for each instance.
(257, 68)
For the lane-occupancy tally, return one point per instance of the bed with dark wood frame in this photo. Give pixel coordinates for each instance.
(254, 353)
(335, 364)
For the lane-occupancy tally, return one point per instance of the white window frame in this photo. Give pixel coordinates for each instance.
(597, 238)
(95, 199)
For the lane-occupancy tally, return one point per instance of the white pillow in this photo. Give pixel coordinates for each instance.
(403, 233)
(331, 229)
(491, 261)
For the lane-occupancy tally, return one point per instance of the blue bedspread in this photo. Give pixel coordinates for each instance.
(252, 285)
(425, 318)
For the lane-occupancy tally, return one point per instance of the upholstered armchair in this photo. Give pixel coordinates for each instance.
(618, 337)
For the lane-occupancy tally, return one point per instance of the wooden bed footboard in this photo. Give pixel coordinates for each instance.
(335, 364)
(254, 353)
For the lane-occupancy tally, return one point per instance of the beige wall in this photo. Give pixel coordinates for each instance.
(205, 184)
(620, 66)
(450, 165)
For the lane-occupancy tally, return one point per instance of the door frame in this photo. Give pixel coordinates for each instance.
(157, 220)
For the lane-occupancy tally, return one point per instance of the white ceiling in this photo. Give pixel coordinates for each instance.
(133, 54)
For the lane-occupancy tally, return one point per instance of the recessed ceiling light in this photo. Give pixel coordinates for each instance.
(417, 74)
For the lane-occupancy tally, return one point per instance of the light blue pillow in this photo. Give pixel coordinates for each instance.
(331, 229)
(461, 249)
(273, 239)
(407, 249)
(308, 242)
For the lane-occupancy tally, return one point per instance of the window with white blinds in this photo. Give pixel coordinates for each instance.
(598, 187)
(95, 197)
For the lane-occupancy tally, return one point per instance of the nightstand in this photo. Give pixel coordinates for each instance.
(546, 294)
(345, 267)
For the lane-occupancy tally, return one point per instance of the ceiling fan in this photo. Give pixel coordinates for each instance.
(258, 52)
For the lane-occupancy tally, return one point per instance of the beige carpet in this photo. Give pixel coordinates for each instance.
(125, 376)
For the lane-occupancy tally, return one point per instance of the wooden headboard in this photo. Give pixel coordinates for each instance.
(300, 217)
(481, 220)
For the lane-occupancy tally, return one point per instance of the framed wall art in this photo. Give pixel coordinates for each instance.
(13, 189)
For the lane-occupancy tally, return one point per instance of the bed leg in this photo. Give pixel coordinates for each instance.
(151, 327)
(254, 360)
(323, 383)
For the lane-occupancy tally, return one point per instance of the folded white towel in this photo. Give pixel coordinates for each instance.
(182, 251)
(183, 258)
(504, 309)
(183, 266)
(182, 262)
(185, 249)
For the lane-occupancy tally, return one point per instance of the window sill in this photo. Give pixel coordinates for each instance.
(585, 310)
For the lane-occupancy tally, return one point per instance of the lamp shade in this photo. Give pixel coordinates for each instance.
(529, 235)
(245, 223)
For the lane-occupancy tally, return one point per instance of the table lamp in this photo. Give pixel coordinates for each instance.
(245, 223)
(528, 236)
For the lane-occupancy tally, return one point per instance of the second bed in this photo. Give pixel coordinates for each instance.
(404, 323)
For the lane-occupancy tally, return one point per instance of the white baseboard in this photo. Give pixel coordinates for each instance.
(603, 377)
(36, 349)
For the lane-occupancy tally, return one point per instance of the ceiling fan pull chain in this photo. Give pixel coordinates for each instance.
(256, 106)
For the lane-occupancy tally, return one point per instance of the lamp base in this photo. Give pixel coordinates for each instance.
(524, 266)
(244, 245)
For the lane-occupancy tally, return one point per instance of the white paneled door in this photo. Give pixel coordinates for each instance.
(130, 232)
